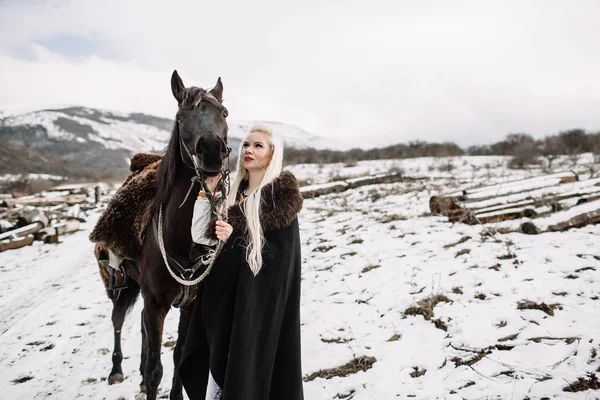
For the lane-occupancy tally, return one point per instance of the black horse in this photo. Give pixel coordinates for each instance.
(200, 132)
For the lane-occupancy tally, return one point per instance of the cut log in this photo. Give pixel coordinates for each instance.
(313, 191)
(49, 239)
(518, 186)
(23, 231)
(66, 216)
(562, 218)
(16, 243)
(529, 228)
(573, 189)
(580, 220)
(51, 201)
(66, 227)
(503, 193)
(509, 214)
(31, 216)
(379, 179)
(445, 205)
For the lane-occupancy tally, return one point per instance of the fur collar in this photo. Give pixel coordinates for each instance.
(281, 203)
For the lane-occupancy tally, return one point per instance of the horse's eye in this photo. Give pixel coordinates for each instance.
(225, 113)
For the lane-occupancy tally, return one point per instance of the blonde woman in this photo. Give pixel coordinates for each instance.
(244, 335)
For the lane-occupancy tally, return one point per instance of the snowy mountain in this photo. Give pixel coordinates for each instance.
(99, 143)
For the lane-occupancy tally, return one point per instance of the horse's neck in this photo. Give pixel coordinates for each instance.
(179, 189)
(177, 221)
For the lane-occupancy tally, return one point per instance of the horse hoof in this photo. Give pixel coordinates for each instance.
(115, 378)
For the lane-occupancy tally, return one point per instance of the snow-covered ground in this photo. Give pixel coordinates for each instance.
(369, 254)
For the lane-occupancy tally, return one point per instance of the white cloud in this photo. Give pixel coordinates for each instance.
(378, 72)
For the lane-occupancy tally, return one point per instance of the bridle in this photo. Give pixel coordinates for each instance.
(203, 95)
(220, 212)
(200, 178)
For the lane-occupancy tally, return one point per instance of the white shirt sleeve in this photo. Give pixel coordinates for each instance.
(200, 220)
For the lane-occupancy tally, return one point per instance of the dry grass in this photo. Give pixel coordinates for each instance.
(531, 305)
(322, 249)
(590, 381)
(462, 240)
(470, 361)
(507, 256)
(462, 252)
(417, 372)
(391, 218)
(370, 267)
(509, 337)
(395, 338)
(336, 340)
(440, 324)
(21, 380)
(585, 269)
(425, 307)
(358, 364)
(567, 340)
(495, 267)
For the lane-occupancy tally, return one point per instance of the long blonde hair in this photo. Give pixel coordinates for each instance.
(251, 208)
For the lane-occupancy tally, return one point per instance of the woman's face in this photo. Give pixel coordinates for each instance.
(256, 151)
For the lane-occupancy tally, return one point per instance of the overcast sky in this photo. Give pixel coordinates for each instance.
(372, 72)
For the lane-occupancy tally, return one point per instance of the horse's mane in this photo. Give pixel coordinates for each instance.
(167, 171)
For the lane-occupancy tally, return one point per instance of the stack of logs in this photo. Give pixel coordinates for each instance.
(45, 216)
(546, 203)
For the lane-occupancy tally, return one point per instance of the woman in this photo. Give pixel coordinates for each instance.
(244, 335)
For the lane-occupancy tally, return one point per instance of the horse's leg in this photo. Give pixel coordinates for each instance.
(143, 353)
(121, 304)
(184, 321)
(154, 319)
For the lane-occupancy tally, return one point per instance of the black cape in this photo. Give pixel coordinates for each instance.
(247, 328)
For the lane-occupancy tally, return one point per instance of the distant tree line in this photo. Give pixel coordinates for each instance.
(523, 149)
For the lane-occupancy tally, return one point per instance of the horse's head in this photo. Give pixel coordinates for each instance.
(202, 127)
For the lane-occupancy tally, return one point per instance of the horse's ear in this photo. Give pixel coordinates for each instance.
(217, 91)
(177, 87)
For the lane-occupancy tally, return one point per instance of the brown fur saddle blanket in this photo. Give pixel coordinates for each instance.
(122, 225)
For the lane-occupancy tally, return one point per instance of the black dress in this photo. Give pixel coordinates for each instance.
(246, 328)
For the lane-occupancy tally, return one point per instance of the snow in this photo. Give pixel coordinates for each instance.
(29, 177)
(368, 254)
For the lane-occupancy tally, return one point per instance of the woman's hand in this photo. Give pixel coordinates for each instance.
(212, 182)
(223, 230)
